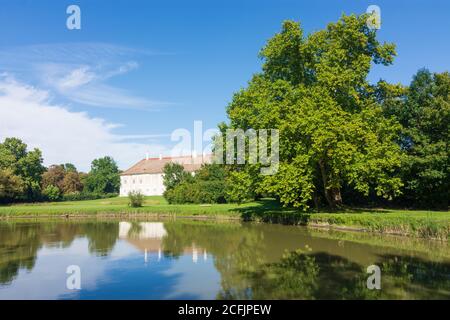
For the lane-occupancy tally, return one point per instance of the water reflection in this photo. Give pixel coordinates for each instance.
(149, 237)
(198, 259)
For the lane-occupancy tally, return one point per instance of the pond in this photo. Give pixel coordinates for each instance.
(187, 259)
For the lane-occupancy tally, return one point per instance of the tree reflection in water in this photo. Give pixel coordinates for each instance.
(20, 242)
(300, 275)
(248, 257)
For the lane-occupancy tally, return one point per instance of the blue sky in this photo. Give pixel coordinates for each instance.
(137, 70)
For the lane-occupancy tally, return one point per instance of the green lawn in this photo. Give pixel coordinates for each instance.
(119, 205)
(427, 224)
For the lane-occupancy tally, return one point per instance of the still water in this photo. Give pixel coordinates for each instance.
(213, 260)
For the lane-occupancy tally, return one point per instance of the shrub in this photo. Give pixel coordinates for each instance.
(80, 196)
(196, 192)
(52, 193)
(207, 186)
(212, 191)
(183, 193)
(136, 199)
(174, 174)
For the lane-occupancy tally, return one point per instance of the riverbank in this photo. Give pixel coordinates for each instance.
(424, 224)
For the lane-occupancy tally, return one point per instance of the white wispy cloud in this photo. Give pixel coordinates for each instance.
(76, 78)
(87, 85)
(64, 136)
(73, 52)
(80, 72)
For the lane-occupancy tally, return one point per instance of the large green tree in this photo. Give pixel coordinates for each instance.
(103, 177)
(174, 174)
(27, 165)
(333, 132)
(423, 109)
(11, 186)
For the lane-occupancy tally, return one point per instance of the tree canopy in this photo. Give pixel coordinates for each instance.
(423, 109)
(21, 169)
(333, 132)
(103, 177)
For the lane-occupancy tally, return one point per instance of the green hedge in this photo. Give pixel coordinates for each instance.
(197, 192)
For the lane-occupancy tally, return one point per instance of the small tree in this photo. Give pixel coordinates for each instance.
(25, 164)
(71, 182)
(52, 193)
(103, 177)
(174, 174)
(136, 199)
(11, 185)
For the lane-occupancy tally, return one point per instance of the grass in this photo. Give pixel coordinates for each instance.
(119, 205)
(425, 224)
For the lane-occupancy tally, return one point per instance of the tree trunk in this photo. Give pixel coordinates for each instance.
(332, 195)
(335, 195)
(316, 200)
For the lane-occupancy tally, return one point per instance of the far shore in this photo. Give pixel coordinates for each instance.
(422, 224)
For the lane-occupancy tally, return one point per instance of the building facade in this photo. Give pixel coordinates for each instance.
(146, 176)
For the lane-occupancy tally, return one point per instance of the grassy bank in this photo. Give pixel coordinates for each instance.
(425, 224)
(118, 206)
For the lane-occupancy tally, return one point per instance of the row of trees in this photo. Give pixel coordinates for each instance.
(342, 139)
(23, 176)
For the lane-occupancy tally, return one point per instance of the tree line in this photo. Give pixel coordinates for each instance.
(23, 177)
(343, 140)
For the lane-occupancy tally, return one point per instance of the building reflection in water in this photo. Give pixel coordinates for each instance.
(148, 237)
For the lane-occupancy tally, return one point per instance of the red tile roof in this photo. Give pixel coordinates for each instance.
(156, 165)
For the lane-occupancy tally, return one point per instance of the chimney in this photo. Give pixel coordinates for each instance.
(147, 156)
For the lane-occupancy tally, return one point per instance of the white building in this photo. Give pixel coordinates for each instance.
(149, 236)
(146, 176)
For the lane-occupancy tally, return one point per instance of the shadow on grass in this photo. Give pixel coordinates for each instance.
(269, 210)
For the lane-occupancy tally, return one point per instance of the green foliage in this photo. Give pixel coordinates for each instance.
(240, 187)
(52, 193)
(80, 196)
(69, 167)
(293, 183)
(207, 186)
(23, 177)
(424, 111)
(103, 177)
(174, 174)
(333, 132)
(182, 193)
(136, 199)
(27, 165)
(11, 186)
